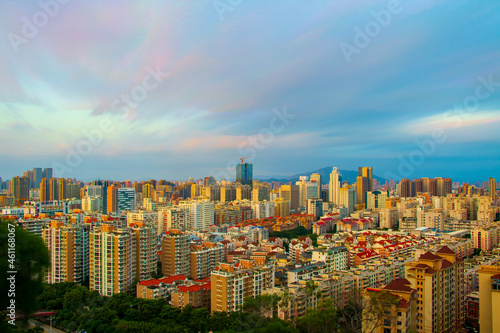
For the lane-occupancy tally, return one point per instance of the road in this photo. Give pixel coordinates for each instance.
(46, 328)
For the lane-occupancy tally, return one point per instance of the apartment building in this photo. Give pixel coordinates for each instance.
(112, 259)
(439, 279)
(175, 253)
(232, 282)
(68, 246)
(489, 299)
(204, 258)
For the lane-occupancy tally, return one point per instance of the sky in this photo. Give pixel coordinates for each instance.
(176, 89)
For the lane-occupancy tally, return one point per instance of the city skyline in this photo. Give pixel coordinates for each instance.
(335, 83)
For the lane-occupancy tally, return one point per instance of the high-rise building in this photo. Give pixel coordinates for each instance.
(367, 172)
(19, 188)
(260, 192)
(489, 298)
(408, 187)
(201, 213)
(334, 186)
(375, 200)
(126, 199)
(68, 246)
(447, 186)
(145, 250)
(53, 189)
(439, 279)
(315, 207)
(47, 173)
(244, 173)
(204, 258)
(44, 190)
(291, 193)
(175, 253)
(415, 187)
(281, 207)
(37, 177)
(316, 177)
(347, 198)
(62, 189)
(492, 188)
(243, 192)
(104, 184)
(112, 259)
(112, 194)
(233, 282)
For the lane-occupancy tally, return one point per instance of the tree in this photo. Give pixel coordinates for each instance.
(378, 308)
(29, 260)
(322, 319)
(262, 305)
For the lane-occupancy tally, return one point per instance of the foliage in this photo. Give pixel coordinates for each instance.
(323, 319)
(31, 258)
(314, 239)
(81, 309)
(293, 233)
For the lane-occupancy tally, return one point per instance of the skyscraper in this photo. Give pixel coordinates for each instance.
(112, 195)
(316, 177)
(292, 194)
(367, 172)
(364, 183)
(334, 186)
(44, 190)
(126, 199)
(408, 189)
(244, 173)
(19, 188)
(47, 173)
(37, 177)
(492, 189)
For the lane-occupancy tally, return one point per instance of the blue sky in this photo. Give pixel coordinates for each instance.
(411, 88)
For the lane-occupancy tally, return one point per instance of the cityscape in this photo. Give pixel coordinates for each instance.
(430, 245)
(226, 166)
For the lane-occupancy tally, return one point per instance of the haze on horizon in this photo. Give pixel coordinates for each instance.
(215, 80)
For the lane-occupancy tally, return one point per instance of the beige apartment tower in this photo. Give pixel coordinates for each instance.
(175, 253)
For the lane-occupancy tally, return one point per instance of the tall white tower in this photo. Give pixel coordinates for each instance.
(334, 186)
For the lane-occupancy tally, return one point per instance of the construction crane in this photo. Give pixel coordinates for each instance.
(243, 158)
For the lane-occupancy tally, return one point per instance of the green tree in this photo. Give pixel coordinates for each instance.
(322, 319)
(29, 260)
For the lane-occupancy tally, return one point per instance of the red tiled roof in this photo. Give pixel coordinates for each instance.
(428, 269)
(446, 264)
(168, 280)
(429, 256)
(400, 284)
(446, 249)
(193, 288)
(403, 304)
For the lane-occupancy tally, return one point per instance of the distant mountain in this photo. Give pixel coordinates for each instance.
(348, 175)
